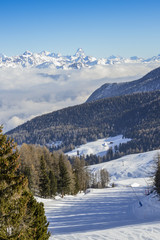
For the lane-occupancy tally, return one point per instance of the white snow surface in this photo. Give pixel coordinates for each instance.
(110, 213)
(99, 147)
(129, 167)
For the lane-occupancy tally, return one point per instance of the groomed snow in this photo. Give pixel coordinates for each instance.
(99, 147)
(110, 213)
(130, 167)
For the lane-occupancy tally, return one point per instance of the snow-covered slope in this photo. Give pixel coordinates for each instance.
(130, 167)
(99, 147)
(110, 213)
(57, 61)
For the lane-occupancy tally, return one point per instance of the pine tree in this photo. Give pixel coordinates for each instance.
(44, 184)
(27, 173)
(64, 179)
(53, 184)
(38, 225)
(81, 175)
(77, 173)
(21, 216)
(157, 176)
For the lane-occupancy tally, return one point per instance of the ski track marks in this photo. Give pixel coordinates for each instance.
(102, 214)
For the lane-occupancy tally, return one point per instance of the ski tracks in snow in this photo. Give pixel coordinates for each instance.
(112, 213)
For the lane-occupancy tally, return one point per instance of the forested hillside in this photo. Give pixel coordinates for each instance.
(50, 174)
(136, 116)
(150, 82)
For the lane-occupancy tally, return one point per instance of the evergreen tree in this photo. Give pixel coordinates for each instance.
(77, 173)
(44, 184)
(21, 216)
(53, 184)
(81, 175)
(27, 173)
(38, 226)
(76, 187)
(64, 179)
(157, 176)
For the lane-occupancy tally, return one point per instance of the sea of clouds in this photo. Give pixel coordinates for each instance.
(28, 92)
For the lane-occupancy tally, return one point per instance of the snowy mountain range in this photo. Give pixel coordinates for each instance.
(79, 60)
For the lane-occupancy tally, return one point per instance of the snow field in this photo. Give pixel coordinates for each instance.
(110, 213)
(129, 167)
(99, 147)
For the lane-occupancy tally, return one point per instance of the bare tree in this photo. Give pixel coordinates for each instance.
(104, 177)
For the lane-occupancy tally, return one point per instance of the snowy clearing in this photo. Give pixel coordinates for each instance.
(110, 213)
(99, 147)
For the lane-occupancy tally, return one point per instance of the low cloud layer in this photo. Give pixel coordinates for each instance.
(26, 93)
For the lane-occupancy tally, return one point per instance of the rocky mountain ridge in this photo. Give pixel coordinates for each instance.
(79, 60)
(150, 82)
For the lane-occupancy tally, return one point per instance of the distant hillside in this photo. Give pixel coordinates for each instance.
(149, 82)
(136, 116)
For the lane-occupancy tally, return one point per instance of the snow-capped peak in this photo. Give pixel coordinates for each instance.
(79, 60)
(80, 53)
(115, 57)
(27, 53)
(45, 53)
(134, 58)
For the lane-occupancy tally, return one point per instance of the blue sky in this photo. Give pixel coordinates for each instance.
(100, 27)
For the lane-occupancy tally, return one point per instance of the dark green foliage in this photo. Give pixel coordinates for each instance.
(47, 172)
(39, 223)
(77, 185)
(44, 184)
(157, 176)
(27, 173)
(21, 217)
(81, 175)
(64, 179)
(53, 184)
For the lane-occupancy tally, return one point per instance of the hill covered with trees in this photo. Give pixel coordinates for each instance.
(150, 82)
(136, 116)
(50, 174)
